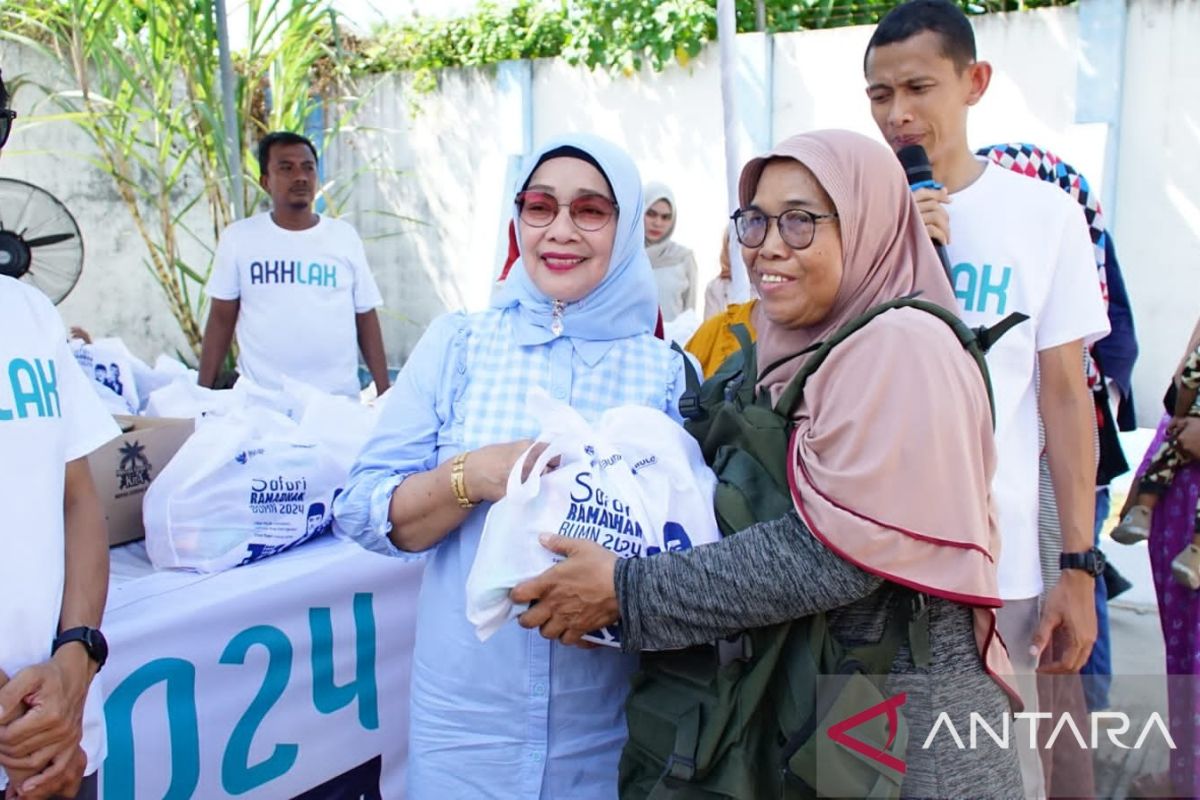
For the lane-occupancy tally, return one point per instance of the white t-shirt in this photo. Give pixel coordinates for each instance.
(1022, 244)
(299, 293)
(49, 415)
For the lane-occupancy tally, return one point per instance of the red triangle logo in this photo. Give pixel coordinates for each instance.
(840, 732)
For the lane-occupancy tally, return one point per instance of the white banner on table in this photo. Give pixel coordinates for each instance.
(283, 679)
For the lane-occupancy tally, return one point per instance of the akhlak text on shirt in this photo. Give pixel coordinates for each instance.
(981, 285)
(314, 274)
(32, 389)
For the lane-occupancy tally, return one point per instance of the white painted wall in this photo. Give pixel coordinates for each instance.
(450, 165)
(671, 123)
(442, 168)
(1158, 187)
(116, 294)
(819, 84)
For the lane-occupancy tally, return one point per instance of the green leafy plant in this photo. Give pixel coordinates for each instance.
(625, 35)
(617, 35)
(143, 84)
(487, 36)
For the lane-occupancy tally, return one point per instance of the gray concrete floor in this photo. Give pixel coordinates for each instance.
(1139, 665)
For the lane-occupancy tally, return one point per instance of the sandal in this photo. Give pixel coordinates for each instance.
(1185, 568)
(1134, 526)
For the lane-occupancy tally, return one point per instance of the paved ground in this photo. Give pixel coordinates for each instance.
(1138, 689)
(1138, 654)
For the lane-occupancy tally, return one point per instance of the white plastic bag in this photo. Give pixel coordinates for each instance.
(342, 425)
(112, 368)
(254, 481)
(183, 398)
(635, 483)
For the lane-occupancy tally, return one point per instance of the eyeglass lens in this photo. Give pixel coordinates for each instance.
(797, 228)
(590, 212)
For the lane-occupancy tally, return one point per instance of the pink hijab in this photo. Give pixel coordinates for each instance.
(893, 439)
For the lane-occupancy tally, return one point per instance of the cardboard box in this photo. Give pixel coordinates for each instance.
(125, 467)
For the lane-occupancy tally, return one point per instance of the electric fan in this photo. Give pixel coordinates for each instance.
(40, 242)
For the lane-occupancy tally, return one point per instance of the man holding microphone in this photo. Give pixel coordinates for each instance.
(1012, 244)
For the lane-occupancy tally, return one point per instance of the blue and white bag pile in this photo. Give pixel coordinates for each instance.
(129, 386)
(635, 483)
(254, 480)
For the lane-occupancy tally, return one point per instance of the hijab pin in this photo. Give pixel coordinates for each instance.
(556, 325)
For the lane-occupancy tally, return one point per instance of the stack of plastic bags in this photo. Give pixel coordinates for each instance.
(258, 476)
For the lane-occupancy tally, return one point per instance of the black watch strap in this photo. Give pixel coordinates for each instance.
(1089, 561)
(92, 640)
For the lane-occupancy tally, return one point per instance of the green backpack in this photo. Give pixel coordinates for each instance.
(743, 718)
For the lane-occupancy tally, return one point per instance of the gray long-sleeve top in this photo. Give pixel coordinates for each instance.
(778, 571)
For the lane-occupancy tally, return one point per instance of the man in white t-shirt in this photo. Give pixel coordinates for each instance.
(53, 552)
(1014, 245)
(295, 285)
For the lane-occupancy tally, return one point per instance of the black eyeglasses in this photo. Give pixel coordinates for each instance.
(797, 227)
(7, 115)
(589, 213)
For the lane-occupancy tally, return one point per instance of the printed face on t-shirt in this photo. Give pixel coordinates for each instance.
(919, 95)
(291, 176)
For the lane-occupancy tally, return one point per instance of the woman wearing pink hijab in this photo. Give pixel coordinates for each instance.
(892, 462)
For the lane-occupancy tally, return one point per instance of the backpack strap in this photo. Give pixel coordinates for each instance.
(792, 393)
(742, 334)
(681, 764)
(779, 362)
(988, 336)
(689, 401)
(975, 341)
(907, 622)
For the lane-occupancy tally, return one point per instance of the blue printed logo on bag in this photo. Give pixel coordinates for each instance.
(634, 482)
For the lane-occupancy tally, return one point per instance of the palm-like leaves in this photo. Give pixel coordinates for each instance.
(144, 86)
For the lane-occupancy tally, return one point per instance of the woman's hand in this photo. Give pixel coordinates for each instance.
(574, 597)
(486, 470)
(1187, 437)
(425, 507)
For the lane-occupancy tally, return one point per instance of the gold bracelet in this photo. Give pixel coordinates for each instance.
(458, 481)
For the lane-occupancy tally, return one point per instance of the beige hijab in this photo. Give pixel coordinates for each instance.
(893, 440)
(664, 252)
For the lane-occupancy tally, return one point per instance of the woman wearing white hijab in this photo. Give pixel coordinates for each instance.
(674, 265)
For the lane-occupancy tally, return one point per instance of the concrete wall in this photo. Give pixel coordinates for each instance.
(1105, 84)
(116, 293)
(425, 196)
(1158, 187)
(673, 128)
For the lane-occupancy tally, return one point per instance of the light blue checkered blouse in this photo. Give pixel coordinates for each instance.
(517, 716)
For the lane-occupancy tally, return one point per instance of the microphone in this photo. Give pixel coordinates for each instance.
(917, 168)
